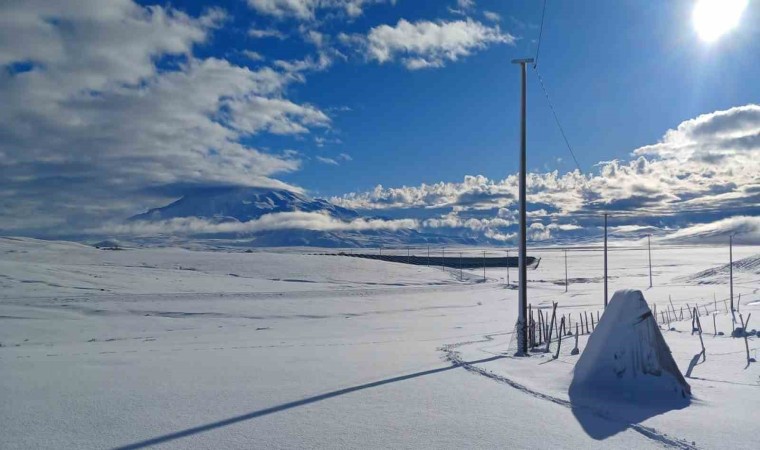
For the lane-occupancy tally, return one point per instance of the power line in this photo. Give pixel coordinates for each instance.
(556, 119)
(546, 93)
(540, 33)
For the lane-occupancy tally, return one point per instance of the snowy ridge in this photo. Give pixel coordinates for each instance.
(243, 204)
(720, 274)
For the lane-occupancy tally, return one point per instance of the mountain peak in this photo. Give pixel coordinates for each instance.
(243, 204)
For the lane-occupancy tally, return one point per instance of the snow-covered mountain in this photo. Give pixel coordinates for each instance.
(243, 204)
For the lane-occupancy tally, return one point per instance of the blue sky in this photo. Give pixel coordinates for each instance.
(620, 74)
(117, 106)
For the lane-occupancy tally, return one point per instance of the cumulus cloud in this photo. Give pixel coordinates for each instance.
(307, 9)
(297, 220)
(703, 170)
(426, 44)
(92, 128)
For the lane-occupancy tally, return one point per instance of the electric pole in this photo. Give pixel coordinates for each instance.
(461, 278)
(522, 328)
(649, 246)
(731, 269)
(484, 266)
(507, 267)
(565, 270)
(605, 261)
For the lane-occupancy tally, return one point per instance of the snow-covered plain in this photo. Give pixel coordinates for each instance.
(180, 348)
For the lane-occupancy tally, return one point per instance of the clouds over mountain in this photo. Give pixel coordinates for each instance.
(104, 103)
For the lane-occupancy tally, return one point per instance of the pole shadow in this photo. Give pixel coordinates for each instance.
(285, 406)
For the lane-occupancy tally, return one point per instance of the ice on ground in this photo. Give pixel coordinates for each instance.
(627, 358)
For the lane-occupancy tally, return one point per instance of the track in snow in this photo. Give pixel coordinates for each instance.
(453, 357)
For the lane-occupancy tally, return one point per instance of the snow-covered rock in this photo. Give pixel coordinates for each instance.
(626, 357)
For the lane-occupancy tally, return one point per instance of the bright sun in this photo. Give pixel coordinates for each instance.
(714, 18)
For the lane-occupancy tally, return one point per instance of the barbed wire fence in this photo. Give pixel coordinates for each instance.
(555, 322)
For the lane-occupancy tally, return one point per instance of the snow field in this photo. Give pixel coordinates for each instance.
(297, 351)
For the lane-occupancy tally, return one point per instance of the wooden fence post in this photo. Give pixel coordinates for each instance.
(699, 325)
(575, 350)
(559, 337)
(585, 314)
(746, 344)
(551, 326)
(715, 328)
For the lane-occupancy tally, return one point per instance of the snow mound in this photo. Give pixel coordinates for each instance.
(626, 357)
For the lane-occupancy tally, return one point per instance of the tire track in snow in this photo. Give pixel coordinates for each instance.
(453, 357)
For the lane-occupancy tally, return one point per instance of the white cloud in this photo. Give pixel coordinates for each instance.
(462, 7)
(307, 9)
(297, 220)
(253, 56)
(94, 130)
(708, 162)
(492, 16)
(745, 229)
(702, 170)
(329, 161)
(258, 33)
(426, 44)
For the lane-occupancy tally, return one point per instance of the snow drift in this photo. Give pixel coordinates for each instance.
(627, 358)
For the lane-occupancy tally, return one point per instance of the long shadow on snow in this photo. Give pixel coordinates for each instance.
(285, 406)
(604, 416)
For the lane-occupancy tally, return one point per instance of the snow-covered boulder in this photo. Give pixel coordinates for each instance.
(626, 357)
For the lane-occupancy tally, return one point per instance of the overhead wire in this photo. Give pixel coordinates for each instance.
(540, 33)
(546, 92)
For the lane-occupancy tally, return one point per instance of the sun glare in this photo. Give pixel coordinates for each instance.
(714, 18)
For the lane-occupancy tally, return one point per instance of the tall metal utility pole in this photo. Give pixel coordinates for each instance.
(507, 267)
(443, 256)
(649, 246)
(731, 269)
(428, 262)
(605, 261)
(461, 278)
(522, 320)
(484, 266)
(565, 270)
